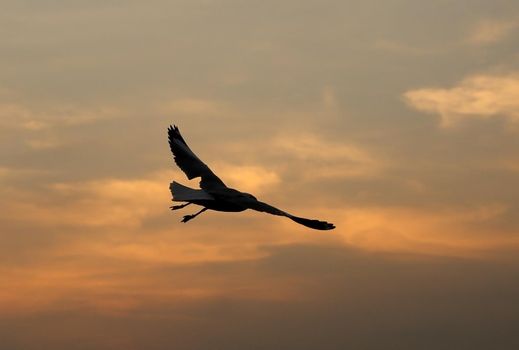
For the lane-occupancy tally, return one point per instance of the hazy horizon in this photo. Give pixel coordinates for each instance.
(397, 121)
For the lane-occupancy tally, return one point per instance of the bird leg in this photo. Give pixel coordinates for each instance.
(175, 207)
(192, 216)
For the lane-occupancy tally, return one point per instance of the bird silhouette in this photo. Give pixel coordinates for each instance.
(213, 193)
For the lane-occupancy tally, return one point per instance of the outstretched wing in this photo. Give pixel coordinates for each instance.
(189, 163)
(315, 224)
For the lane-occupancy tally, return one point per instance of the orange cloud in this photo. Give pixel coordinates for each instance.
(114, 258)
(479, 96)
(248, 178)
(450, 231)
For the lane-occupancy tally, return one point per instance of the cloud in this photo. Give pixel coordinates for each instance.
(490, 31)
(131, 222)
(479, 96)
(42, 144)
(248, 178)
(452, 231)
(9, 173)
(107, 202)
(332, 297)
(43, 127)
(396, 47)
(118, 211)
(327, 159)
(194, 106)
(36, 118)
(508, 165)
(98, 205)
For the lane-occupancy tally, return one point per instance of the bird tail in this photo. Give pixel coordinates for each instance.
(183, 193)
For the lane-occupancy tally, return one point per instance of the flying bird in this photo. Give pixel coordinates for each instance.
(213, 193)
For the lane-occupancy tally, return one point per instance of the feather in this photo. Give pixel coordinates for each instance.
(183, 193)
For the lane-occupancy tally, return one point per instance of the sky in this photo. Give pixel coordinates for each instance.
(398, 121)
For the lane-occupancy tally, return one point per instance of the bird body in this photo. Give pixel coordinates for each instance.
(213, 193)
(224, 199)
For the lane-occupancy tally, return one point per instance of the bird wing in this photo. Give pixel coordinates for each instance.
(189, 163)
(267, 208)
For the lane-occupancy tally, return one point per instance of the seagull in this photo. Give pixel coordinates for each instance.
(213, 193)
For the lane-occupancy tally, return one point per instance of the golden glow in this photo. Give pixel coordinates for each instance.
(324, 110)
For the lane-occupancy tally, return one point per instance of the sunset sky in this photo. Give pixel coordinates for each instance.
(396, 120)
